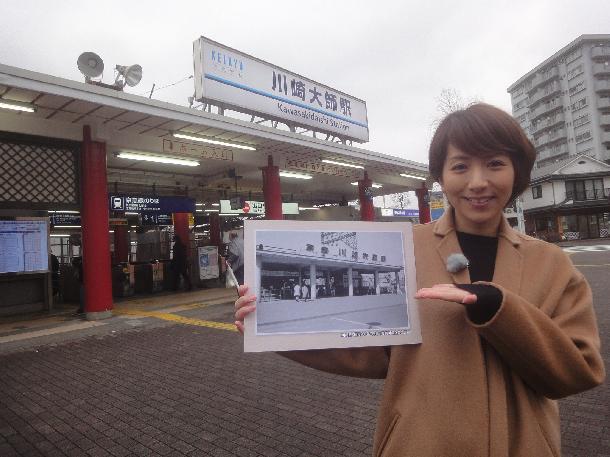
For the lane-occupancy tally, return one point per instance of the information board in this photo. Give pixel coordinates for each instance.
(24, 246)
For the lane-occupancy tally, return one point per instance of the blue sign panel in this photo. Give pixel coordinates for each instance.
(143, 204)
(406, 212)
(156, 219)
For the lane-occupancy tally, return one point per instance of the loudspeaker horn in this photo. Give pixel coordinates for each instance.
(132, 74)
(90, 64)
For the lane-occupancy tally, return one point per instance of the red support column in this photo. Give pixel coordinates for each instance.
(272, 191)
(97, 279)
(215, 230)
(367, 212)
(181, 228)
(121, 244)
(423, 201)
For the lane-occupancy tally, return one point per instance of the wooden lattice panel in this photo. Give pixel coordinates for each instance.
(37, 173)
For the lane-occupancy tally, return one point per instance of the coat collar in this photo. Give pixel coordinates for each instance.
(508, 258)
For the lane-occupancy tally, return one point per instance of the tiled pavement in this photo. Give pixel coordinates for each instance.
(157, 387)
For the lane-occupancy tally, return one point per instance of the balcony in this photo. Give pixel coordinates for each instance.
(603, 103)
(602, 85)
(549, 137)
(542, 78)
(587, 194)
(545, 92)
(604, 120)
(601, 69)
(547, 122)
(544, 109)
(600, 52)
(605, 137)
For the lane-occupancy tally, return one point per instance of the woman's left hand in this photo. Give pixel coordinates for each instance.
(447, 292)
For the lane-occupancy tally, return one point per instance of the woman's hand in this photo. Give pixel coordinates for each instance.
(244, 305)
(447, 292)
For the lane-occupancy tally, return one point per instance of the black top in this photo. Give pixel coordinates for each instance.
(481, 254)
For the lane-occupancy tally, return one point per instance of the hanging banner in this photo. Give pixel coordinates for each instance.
(208, 262)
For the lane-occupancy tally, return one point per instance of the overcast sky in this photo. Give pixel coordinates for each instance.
(395, 55)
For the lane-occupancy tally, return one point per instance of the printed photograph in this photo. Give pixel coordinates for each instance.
(322, 281)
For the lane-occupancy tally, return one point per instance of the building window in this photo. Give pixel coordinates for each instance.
(537, 192)
(586, 189)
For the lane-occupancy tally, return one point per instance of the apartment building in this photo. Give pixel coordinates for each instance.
(564, 103)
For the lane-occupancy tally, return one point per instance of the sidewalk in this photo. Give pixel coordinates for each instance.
(61, 324)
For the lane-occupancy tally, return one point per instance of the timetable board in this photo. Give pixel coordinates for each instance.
(24, 246)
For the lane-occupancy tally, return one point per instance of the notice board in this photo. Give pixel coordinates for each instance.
(24, 246)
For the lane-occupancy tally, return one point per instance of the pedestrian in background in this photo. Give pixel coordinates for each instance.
(179, 264)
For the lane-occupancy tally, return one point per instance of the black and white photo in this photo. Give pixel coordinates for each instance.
(330, 284)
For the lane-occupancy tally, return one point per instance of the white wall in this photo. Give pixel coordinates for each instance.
(547, 197)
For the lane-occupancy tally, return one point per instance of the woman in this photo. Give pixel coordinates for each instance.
(496, 353)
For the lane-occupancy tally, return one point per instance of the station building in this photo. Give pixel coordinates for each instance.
(76, 156)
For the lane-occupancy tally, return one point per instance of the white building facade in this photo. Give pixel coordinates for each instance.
(569, 200)
(564, 103)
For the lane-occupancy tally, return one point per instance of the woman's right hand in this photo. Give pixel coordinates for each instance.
(244, 305)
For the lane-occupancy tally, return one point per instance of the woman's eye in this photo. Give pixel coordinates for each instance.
(458, 167)
(497, 163)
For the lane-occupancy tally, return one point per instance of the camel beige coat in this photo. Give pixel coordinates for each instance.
(482, 390)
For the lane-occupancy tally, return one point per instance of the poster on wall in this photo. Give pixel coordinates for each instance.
(24, 246)
(324, 284)
(208, 262)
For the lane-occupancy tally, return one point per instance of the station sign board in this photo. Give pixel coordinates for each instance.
(254, 207)
(237, 80)
(63, 219)
(154, 204)
(321, 167)
(203, 152)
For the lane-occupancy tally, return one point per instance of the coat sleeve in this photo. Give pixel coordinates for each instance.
(553, 347)
(366, 362)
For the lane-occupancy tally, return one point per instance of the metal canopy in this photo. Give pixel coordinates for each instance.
(129, 122)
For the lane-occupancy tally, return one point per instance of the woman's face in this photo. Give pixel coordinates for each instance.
(478, 189)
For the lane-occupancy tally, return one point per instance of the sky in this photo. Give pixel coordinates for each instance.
(397, 56)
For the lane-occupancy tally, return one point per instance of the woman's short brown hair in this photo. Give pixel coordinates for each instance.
(480, 130)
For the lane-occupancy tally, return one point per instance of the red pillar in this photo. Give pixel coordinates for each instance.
(215, 230)
(423, 201)
(97, 280)
(367, 212)
(121, 244)
(181, 228)
(272, 191)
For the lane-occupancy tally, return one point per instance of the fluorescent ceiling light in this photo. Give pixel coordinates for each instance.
(69, 226)
(130, 213)
(201, 139)
(17, 106)
(63, 211)
(60, 235)
(343, 164)
(211, 210)
(215, 204)
(303, 208)
(290, 174)
(199, 204)
(423, 178)
(375, 185)
(158, 159)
